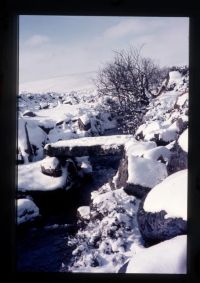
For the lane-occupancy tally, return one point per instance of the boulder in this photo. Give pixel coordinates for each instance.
(131, 177)
(155, 228)
(162, 214)
(120, 181)
(178, 160)
(136, 190)
(159, 153)
(51, 166)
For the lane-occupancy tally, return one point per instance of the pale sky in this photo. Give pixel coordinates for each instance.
(53, 46)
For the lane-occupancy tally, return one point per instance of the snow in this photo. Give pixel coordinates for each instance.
(174, 77)
(61, 134)
(22, 140)
(162, 111)
(170, 195)
(37, 137)
(145, 172)
(108, 123)
(30, 178)
(168, 135)
(168, 257)
(182, 99)
(138, 148)
(84, 212)
(157, 152)
(150, 129)
(59, 84)
(183, 140)
(26, 210)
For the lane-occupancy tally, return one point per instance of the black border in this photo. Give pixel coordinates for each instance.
(9, 12)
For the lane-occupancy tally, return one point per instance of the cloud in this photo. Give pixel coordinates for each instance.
(37, 40)
(134, 26)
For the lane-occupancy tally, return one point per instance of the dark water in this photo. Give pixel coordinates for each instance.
(42, 246)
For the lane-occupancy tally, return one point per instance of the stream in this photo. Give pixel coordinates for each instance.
(42, 246)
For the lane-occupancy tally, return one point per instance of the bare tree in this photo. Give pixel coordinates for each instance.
(130, 80)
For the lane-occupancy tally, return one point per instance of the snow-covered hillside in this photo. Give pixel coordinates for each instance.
(142, 210)
(70, 82)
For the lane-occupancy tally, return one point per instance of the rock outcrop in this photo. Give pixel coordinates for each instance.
(178, 160)
(162, 215)
(155, 228)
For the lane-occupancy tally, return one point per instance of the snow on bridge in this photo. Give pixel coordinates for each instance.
(95, 146)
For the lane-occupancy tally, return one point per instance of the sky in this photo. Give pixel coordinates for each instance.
(55, 46)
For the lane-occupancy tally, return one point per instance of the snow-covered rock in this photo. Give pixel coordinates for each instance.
(178, 159)
(84, 212)
(183, 140)
(51, 166)
(24, 146)
(136, 148)
(137, 175)
(26, 210)
(89, 146)
(163, 213)
(61, 133)
(159, 153)
(167, 114)
(170, 195)
(183, 100)
(84, 122)
(77, 117)
(145, 172)
(168, 257)
(31, 140)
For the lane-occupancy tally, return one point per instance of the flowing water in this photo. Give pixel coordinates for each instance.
(43, 246)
